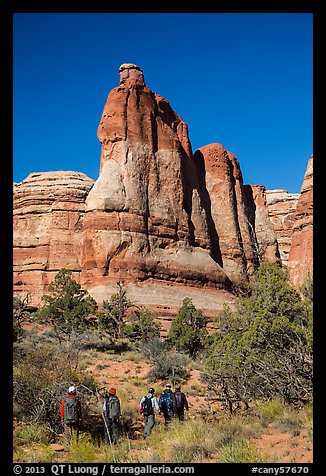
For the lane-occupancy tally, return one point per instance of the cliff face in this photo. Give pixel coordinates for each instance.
(157, 215)
(233, 244)
(263, 233)
(301, 252)
(281, 207)
(48, 222)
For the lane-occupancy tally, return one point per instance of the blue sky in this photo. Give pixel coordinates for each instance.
(244, 80)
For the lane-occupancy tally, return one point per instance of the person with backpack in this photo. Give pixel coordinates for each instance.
(181, 403)
(147, 405)
(71, 415)
(167, 404)
(111, 416)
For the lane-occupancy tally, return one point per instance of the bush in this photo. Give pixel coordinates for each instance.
(36, 453)
(67, 306)
(83, 450)
(239, 452)
(112, 318)
(143, 326)
(195, 440)
(169, 365)
(41, 377)
(264, 348)
(26, 434)
(188, 330)
(186, 442)
(271, 410)
(236, 428)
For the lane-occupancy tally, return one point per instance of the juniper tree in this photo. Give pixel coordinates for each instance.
(188, 330)
(143, 326)
(67, 306)
(112, 318)
(21, 315)
(264, 346)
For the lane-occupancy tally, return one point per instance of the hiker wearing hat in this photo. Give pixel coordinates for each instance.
(167, 404)
(111, 414)
(147, 405)
(181, 403)
(71, 415)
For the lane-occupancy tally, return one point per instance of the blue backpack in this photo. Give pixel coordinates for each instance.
(166, 403)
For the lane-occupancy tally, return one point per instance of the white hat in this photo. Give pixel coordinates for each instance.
(72, 389)
(168, 385)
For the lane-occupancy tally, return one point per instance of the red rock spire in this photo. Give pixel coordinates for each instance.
(131, 74)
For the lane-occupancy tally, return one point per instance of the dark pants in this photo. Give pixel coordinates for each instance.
(180, 413)
(69, 430)
(112, 425)
(167, 418)
(149, 421)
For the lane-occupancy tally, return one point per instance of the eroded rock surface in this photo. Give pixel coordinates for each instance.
(281, 209)
(145, 216)
(301, 252)
(47, 228)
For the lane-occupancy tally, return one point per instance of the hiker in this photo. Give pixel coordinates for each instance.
(167, 404)
(71, 415)
(147, 405)
(181, 403)
(111, 414)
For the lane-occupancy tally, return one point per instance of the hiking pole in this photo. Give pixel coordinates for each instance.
(108, 433)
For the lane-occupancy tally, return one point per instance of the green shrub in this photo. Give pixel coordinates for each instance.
(271, 410)
(143, 326)
(37, 453)
(236, 428)
(28, 433)
(185, 442)
(67, 306)
(307, 417)
(169, 365)
(290, 421)
(112, 317)
(83, 450)
(197, 439)
(240, 451)
(263, 348)
(188, 330)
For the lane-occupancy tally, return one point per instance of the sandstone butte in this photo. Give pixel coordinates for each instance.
(165, 222)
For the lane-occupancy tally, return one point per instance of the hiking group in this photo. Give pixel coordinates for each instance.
(170, 404)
